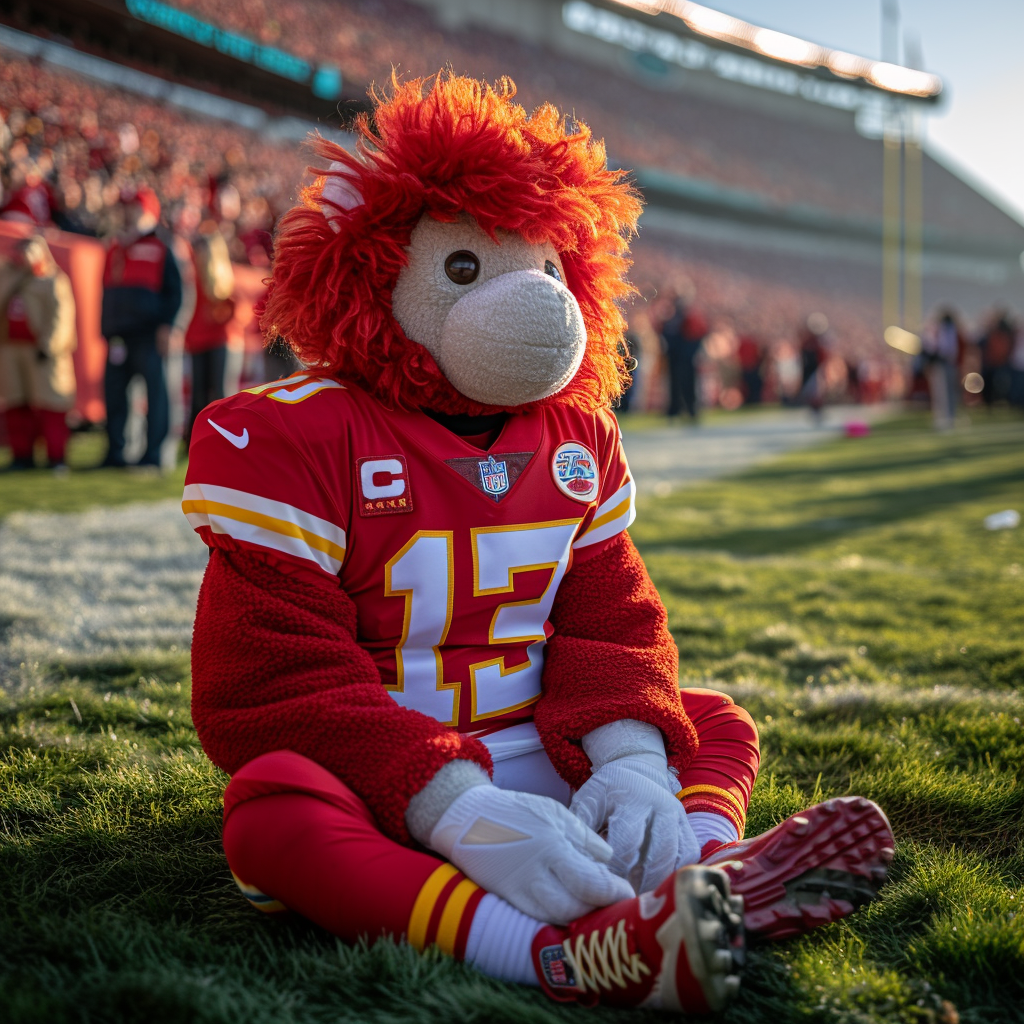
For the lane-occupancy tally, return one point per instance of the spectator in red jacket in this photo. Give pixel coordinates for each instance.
(30, 199)
(813, 352)
(997, 345)
(206, 339)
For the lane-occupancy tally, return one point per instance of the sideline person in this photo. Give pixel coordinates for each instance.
(206, 339)
(682, 337)
(141, 296)
(942, 347)
(37, 339)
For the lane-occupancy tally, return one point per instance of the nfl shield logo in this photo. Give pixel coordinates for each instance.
(493, 476)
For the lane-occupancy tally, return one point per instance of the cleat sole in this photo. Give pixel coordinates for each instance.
(713, 933)
(814, 868)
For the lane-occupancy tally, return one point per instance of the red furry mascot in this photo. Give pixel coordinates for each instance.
(425, 647)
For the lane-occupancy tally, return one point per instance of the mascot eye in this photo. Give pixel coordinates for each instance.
(552, 271)
(462, 267)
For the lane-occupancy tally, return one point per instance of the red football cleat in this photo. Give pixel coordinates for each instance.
(814, 868)
(679, 947)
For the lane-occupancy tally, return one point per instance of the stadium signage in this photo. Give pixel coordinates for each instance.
(667, 47)
(655, 49)
(324, 81)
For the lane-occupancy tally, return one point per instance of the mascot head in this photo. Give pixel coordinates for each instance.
(467, 258)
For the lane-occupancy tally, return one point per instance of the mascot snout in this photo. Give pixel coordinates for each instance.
(515, 339)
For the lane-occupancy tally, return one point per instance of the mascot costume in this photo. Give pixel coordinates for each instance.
(426, 648)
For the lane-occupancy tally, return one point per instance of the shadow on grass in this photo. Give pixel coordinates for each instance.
(876, 455)
(889, 507)
(119, 670)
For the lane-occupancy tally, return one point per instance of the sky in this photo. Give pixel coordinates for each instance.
(977, 48)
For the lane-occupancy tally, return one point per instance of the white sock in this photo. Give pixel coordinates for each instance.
(500, 941)
(707, 826)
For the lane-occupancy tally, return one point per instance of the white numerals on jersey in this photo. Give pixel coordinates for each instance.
(423, 573)
(498, 554)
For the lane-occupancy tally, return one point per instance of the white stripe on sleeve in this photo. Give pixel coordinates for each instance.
(612, 517)
(253, 519)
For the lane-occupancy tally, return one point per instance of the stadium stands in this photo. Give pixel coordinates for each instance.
(92, 139)
(95, 138)
(695, 137)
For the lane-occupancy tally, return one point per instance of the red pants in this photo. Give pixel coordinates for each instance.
(25, 424)
(720, 778)
(297, 837)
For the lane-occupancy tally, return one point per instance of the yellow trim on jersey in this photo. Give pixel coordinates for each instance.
(621, 509)
(510, 584)
(308, 390)
(285, 390)
(625, 493)
(451, 917)
(503, 672)
(423, 908)
(254, 519)
(242, 515)
(296, 378)
(407, 592)
(611, 518)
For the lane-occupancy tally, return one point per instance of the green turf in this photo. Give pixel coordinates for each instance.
(84, 486)
(716, 417)
(848, 596)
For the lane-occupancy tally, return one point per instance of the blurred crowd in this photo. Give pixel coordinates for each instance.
(956, 366)
(744, 151)
(685, 361)
(69, 146)
(194, 196)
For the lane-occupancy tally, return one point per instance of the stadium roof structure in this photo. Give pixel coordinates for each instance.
(157, 38)
(719, 28)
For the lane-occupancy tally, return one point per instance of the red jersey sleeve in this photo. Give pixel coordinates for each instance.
(616, 503)
(255, 478)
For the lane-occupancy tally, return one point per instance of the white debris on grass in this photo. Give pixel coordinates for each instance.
(94, 583)
(1008, 519)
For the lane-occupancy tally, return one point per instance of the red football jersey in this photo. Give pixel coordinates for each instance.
(452, 555)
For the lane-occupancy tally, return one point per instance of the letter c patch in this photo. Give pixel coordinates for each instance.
(384, 486)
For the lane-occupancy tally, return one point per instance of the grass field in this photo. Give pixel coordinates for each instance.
(848, 596)
(85, 486)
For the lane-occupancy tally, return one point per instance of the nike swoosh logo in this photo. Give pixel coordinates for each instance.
(238, 440)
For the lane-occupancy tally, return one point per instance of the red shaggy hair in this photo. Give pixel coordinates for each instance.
(445, 146)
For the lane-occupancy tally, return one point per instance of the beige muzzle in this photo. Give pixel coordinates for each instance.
(517, 338)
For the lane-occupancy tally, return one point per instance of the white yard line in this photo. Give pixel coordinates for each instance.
(96, 582)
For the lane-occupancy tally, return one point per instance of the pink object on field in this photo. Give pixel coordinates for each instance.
(857, 428)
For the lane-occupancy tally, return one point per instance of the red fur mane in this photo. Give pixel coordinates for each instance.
(445, 146)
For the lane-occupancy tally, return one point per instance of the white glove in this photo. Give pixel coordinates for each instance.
(632, 794)
(531, 851)
(528, 849)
